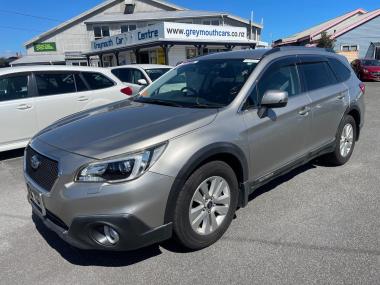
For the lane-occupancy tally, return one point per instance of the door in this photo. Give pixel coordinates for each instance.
(57, 96)
(17, 111)
(283, 135)
(329, 98)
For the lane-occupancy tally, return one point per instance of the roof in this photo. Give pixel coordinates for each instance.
(90, 12)
(336, 24)
(255, 54)
(51, 68)
(143, 66)
(35, 59)
(162, 15)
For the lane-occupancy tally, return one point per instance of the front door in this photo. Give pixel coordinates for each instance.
(283, 135)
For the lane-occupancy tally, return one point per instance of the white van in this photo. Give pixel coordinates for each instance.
(33, 97)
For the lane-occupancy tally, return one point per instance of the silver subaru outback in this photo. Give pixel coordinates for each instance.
(178, 159)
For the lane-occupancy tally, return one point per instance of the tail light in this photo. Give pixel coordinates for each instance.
(127, 91)
(362, 87)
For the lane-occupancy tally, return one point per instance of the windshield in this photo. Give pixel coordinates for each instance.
(371, 62)
(205, 83)
(155, 73)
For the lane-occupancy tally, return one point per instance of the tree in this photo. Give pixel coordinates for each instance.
(3, 62)
(325, 41)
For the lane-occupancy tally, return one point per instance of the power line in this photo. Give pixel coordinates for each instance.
(29, 15)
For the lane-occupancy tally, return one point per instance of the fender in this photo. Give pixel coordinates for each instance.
(191, 165)
(355, 107)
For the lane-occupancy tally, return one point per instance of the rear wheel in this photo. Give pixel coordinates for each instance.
(206, 205)
(345, 142)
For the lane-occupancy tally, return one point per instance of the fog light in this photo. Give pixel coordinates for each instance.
(111, 234)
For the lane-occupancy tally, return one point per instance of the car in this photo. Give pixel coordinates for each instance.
(367, 69)
(138, 76)
(178, 161)
(33, 97)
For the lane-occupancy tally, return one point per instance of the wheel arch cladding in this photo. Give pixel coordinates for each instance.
(226, 152)
(354, 112)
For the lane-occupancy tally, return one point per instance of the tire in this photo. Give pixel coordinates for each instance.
(208, 210)
(338, 157)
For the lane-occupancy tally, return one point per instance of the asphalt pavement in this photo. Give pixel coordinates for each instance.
(316, 225)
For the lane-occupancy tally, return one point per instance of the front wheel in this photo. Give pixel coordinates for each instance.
(345, 142)
(206, 205)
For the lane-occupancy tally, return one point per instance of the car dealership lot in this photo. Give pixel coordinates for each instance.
(316, 225)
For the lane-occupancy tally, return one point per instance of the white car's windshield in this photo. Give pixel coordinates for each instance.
(204, 83)
(155, 73)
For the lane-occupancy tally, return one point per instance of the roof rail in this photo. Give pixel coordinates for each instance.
(295, 48)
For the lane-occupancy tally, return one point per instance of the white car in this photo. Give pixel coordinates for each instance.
(138, 76)
(33, 97)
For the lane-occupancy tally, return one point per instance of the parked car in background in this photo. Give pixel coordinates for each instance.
(138, 76)
(181, 157)
(367, 69)
(33, 97)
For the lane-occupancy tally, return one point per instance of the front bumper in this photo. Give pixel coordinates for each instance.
(133, 233)
(136, 209)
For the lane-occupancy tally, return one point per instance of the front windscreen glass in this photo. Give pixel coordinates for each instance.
(200, 84)
(371, 62)
(155, 73)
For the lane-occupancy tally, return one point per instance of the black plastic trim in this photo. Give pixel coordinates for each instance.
(198, 158)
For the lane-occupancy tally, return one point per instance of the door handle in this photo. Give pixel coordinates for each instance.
(82, 98)
(342, 95)
(24, 107)
(304, 111)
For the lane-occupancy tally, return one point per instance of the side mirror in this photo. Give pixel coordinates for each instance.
(272, 99)
(142, 82)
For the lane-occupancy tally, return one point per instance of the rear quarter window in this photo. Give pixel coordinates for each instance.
(341, 71)
(97, 81)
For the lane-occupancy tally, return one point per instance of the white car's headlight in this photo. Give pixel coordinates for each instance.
(121, 168)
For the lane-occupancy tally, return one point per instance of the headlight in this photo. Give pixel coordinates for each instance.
(122, 168)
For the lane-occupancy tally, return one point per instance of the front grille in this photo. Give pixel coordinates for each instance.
(45, 174)
(375, 73)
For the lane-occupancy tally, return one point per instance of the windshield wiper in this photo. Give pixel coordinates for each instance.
(158, 102)
(206, 106)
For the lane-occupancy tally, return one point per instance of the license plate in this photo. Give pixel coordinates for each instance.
(36, 198)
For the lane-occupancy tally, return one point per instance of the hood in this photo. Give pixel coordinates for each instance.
(122, 127)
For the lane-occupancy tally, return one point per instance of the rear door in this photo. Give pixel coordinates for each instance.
(329, 97)
(17, 110)
(282, 136)
(57, 96)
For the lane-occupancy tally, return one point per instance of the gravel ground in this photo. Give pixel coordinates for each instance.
(317, 225)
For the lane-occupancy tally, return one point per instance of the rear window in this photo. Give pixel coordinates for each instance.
(97, 80)
(156, 72)
(317, 75)
(55, 83)
(340, 70)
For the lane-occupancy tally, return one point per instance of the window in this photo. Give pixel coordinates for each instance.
(129, 75)
(340, 70)
(317, 75)
(127, 28)
(97, 80)
(206, 83)
(156, 72)
(191, 52)
(81, 86)
(349, 47)
(101, 32)
(55, 83)
(13, 88)
(211, 22)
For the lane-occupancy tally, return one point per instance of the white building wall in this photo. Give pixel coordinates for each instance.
(176, 54)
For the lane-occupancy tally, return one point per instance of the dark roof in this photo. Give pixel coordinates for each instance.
(238, 54)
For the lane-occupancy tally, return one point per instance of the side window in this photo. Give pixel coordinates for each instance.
(97, 81)
(341, 71)
(136, 76)
(81, 86)
(13, 87)
(124, 74)
(55, 83)
(317, 75)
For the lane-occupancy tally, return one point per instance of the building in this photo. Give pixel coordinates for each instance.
(356, 34)
(140, 31)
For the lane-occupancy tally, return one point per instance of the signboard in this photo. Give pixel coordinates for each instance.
(44, 47)
(172, 31)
